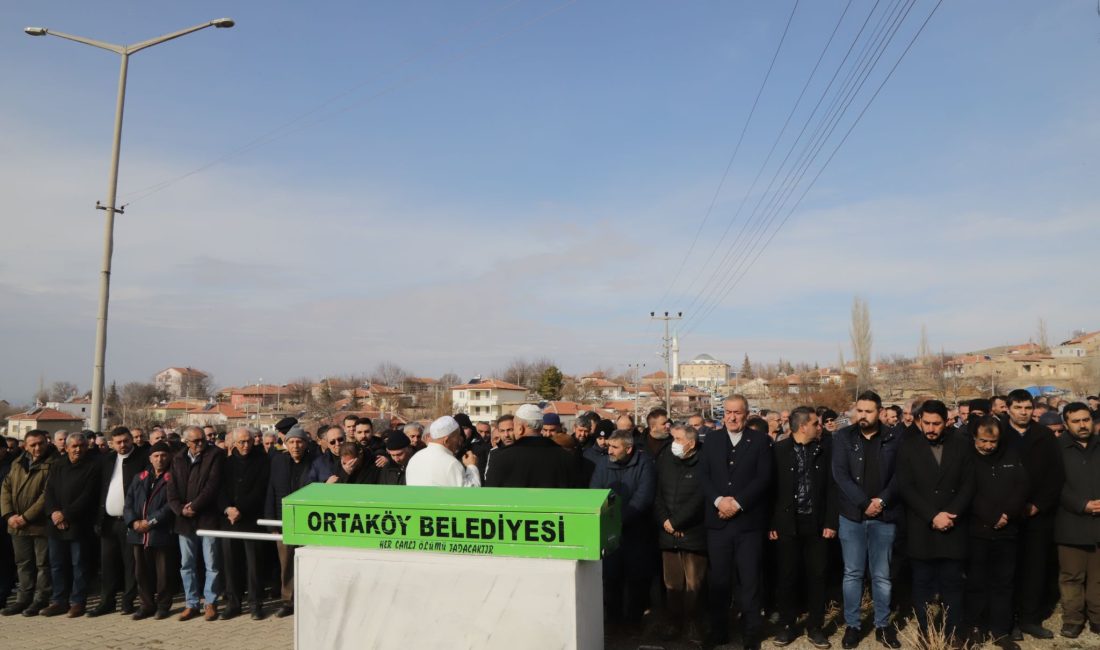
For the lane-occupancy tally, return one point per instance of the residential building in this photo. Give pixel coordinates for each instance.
(78, 407)
(181, 382)
(44, 418)
(704, 371)
(485, 400)
(218, 414)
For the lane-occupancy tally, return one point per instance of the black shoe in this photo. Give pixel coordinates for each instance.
(231, 612)
(1071, 631)
(162, 614)
(785, 636)
(34, 608)
(1036, 630)
(256, 613)
(1005, 643)
(817, 638)
(851, 638)
(1017, 635)
(142, 614)
(104, 607)
(127, 608)
(887, 636)
(14, 608)
(751, 643)
(284, 611)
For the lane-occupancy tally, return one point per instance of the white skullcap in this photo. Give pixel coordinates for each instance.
(442, 427)
(529, 412)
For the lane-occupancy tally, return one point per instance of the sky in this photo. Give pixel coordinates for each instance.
(452, 185)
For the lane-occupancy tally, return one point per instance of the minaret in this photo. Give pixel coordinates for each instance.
(675, 360)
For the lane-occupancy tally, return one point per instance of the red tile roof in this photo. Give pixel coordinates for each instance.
(46, 415)
(489, 384)
(660, 374)
(220, 408)
(562, 408)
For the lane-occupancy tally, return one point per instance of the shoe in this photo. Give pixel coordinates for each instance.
(851, 638)
(1071, 631)
(34, 609)
(54, 609)
(817, 638)
(1094, 628)
(127, 609)
(75, 611)
(104, 607)
(211, 613)
(256, 613)
(284, 611)
(1005, 643)
(162, 614)
(1017, 635)
(14, 608)
(143, 614)
(189, 613)
(750, 643)
(230, 612)
(887, 636)
(1036, 630)
(785, 636)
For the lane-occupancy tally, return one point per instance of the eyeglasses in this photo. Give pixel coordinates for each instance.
(336, 441)
(196, 441)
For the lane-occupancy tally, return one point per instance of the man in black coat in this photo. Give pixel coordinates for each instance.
(1077, 524)
(289, 473)
(193, 496)
(736, 472)
(149, 524)
(241, 503)
(399, 449)
(1000, 499)
(533, 460)
(71, 495)
(936, 478)
(117, 470)
(1041, 455)
(678, 509)
(804, 519)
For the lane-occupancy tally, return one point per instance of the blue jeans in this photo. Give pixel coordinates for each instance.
(67, 561)
(862, 543)
(189, 550)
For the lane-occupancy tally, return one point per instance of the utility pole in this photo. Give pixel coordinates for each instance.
(667, 354)
(637, 368)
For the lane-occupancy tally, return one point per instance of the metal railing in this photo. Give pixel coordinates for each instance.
(247, 535)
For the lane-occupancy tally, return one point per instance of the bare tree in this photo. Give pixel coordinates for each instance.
(525, 373)
(1041, 337)
(860, 333)
(200, 386)
(388, 373)
(61, 391)
(449, 379)
(135, 400)
(300, 390)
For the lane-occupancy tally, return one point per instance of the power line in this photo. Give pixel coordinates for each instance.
(733, 156)
(844, 139)
(714, 285)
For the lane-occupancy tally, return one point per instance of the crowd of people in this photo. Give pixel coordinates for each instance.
(989, 510)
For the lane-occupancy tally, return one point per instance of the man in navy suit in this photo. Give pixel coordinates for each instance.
(735, 470)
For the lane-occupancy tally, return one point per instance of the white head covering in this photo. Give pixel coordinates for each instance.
(442, 427)
(529, 413)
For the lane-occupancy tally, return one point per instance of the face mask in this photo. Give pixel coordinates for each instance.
(677, 450)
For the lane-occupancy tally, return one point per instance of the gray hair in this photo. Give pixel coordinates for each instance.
(270, 435)
(624, 436)
(689, 433)
(239, 430)
(79, 437)
(413, 426)
(532, 425)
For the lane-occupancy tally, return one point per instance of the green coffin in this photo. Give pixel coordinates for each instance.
(532, 523)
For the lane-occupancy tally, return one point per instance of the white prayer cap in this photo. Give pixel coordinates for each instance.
(442, 427)
(529, 413)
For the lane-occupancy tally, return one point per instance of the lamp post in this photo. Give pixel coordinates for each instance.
(124, 51)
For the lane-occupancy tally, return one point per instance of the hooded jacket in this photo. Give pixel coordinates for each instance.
(147, 498)
(24, 492)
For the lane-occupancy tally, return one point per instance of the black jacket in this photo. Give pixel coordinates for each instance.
(1001, 486)
(73, 489)
(744, 474)
(199, 484)
(1072, 526)
(244, 486)
(635, 485)
(1042, 457)
(822, 488)
(680, 501)
(366, 474)
(279, 484)
(147, 498)
(132, 465)
(532, 462)
(849, 466)
(930, 488)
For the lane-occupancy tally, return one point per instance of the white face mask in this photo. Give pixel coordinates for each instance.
(677, 449)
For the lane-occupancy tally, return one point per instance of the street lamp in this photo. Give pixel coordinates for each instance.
(123, 51)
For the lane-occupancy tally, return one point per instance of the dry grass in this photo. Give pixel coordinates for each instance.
(934, 638)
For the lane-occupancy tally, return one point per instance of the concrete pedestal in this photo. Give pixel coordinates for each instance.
(351, 598)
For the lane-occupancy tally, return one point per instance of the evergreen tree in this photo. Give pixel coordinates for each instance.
(550, 383)
(746, 369)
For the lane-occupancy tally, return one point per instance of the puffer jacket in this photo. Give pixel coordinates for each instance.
(24, 492)
(680, 501)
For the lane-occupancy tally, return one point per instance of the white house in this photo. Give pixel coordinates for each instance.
(180, 382)
(483, 400)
